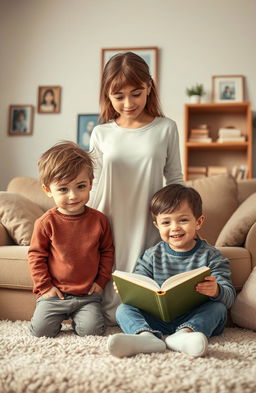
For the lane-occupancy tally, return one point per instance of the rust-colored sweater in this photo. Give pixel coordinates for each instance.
(71, 252)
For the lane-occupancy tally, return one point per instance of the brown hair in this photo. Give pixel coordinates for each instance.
(121, 70)
(64, 161)
(170, 197)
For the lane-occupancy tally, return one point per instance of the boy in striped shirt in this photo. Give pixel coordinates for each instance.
(177, 213)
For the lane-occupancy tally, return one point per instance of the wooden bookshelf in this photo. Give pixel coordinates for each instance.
(216, 116)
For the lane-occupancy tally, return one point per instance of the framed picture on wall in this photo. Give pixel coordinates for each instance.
(149, 54)
(86, 124)
(49, 98)
(228, 88)
(20, 120)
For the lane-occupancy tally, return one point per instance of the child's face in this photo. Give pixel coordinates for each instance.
(71, 197)
(130, 101)
(178, 228)
(21, 117)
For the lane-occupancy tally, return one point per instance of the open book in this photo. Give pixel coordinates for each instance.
(176, 296)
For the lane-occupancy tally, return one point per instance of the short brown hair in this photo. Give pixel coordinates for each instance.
(121, 70)
(64, 161)
(170, 197)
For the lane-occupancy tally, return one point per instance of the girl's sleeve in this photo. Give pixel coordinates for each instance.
(97, 157)
(106, 255)
(172, 170)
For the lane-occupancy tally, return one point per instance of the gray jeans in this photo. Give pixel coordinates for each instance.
(85, 312)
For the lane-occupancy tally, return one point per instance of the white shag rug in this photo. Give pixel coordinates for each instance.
(71, 364)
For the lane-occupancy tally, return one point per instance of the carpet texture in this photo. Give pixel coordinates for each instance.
(71, 364)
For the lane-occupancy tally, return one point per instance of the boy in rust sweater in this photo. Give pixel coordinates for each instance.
(71, 252)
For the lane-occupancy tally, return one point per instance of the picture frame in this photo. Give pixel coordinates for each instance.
(149, 53)
(228, 88)
(21, 118)
(85, 125)
(49, 99)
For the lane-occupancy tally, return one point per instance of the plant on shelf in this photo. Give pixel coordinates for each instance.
(195, 92)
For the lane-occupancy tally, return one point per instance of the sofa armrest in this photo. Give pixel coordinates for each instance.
(245, 187)
(240, 264)
(5, 239)
(250, 244)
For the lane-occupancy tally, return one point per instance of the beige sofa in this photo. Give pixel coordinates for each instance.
(230, 221)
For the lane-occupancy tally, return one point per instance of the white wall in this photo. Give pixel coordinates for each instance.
(58, 42)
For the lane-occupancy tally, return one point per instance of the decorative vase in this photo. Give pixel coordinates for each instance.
(195, 99)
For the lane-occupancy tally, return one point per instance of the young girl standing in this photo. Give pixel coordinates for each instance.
(135, 149)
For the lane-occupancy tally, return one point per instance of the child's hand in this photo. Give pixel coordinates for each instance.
(209, 287)
(115, 287)
(53, 292)
(95, 288)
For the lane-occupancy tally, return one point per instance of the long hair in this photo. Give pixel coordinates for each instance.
(126, 69)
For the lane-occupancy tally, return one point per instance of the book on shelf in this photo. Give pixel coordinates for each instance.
(229, 132)
(196, 172)
(176, 296)
(200, 140)
(231, 139)
(199, 131)
(200, 134)
(216, 170)
(193, 176)
(197, 169)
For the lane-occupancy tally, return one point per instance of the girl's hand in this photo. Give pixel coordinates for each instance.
(95, 288)
(53, 292)
(115, 287)
(209, 287)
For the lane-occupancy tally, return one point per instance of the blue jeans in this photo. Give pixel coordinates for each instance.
(209, 318)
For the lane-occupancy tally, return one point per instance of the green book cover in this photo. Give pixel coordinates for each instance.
(176, 296)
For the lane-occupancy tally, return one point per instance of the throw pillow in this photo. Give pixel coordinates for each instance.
(219, 196)
(235, 230)
(17, 215)
(243, 311)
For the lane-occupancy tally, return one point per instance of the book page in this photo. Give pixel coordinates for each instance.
(182, 277)
(139, 279)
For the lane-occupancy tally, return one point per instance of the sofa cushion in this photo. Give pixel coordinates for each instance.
(235, 230)
(245, 188)
(4, 236)
(17, 215)
(15, 273)
(243, 312)
(219, 196)
(31, 188)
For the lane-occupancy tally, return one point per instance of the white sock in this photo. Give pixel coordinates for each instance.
(122, 345)
(191, 343)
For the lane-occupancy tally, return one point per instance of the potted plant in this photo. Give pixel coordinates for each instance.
(195, 92)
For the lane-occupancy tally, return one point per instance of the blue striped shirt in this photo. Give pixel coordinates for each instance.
(161, 262)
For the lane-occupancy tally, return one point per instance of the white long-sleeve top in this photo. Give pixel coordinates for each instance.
(131, 165)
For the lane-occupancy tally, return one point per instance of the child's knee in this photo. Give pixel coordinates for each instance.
(221, 309)
(120, 311)
(89, 330)
(43, 331)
